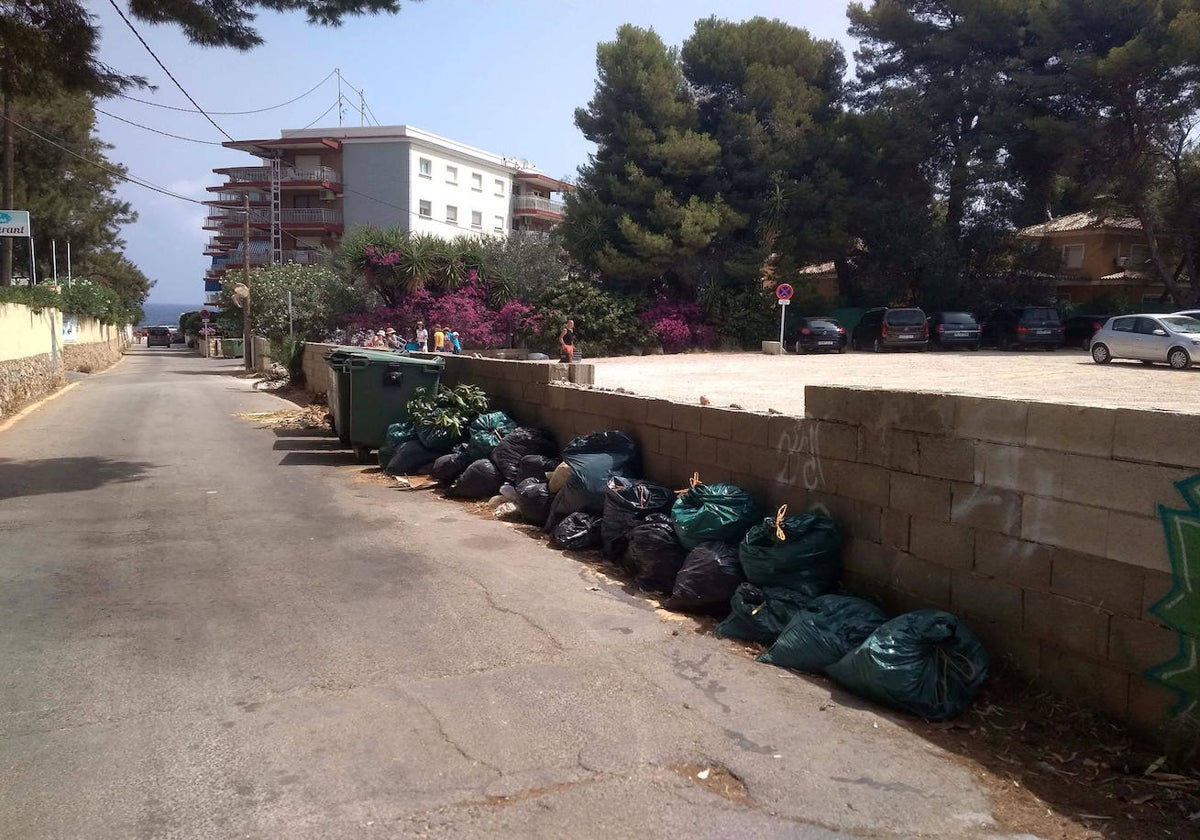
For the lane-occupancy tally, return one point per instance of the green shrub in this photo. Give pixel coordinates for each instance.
(605, 323)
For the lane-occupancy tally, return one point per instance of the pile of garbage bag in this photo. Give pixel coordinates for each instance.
(707, 550)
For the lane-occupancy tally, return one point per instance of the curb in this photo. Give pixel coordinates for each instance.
(32, 407)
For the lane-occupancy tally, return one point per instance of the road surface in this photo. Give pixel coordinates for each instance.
(211, 630)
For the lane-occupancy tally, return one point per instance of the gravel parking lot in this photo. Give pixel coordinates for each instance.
(758, 382)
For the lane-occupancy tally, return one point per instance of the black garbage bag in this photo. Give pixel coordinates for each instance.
(397, 433)
(594, 459)
(626, 503)
(535, 466)
(714, 513)
(519, 444)
(808, 558)
(486, 431)
(534, 499)
(707, 580)
(411, 458)
(654, 555)
(480, 480)
(926, 663)
(823, 631)
(447, 468)
(578, 531)
(437, 438)
(759, 615)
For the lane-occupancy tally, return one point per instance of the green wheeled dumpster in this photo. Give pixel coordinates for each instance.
(231, 348)
(339, 390)
(378, 387)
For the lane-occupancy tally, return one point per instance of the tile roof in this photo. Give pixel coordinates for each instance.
(1088, 220)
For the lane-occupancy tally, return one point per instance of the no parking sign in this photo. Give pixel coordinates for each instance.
(784, 292)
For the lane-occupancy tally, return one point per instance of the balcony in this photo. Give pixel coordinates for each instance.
(261, 176)
(228, 222)
(232, 261)
(531, 205)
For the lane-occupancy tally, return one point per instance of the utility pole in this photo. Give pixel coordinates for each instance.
(6, 257)
(247, 341)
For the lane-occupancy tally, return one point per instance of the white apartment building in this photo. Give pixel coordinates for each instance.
(311, 185)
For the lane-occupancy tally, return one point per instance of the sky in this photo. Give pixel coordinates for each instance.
(501, 75)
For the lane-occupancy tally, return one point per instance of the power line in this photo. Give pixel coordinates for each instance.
(318, 119)
(158, 61)
(124, 176)
(232, 113)
(155, 130)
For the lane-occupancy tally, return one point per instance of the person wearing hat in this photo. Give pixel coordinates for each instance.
(422, 337)
(376, 342)
(392, 340)
(453, 341)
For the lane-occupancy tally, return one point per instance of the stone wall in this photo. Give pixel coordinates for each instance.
(93, 356)
(1038, 523)
(25, 380)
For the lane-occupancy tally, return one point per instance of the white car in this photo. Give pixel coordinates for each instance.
(1174, 339)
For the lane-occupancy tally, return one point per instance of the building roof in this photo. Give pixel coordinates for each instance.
(336, 138)
(1088, 220)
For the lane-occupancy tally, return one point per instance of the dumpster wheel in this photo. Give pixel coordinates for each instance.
(362, 454)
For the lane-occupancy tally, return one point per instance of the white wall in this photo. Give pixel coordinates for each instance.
(25, 333)
(442, 190)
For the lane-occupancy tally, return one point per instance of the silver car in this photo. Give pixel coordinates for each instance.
(1174, 339)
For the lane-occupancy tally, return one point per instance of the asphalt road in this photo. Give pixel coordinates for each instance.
(211, 630)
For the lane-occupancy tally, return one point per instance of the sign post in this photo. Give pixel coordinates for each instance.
(784, 292)
(204, 317)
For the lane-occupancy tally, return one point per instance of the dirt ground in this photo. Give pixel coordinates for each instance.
(757, 382)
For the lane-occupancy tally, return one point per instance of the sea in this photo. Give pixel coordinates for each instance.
(164, 314)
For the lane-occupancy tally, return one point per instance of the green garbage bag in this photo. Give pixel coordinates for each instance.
(801, 552)
(713, 513)
(759, 615)
(397, 433)
(823, 631)
(926, 663)
(486, 431)
(438, 438)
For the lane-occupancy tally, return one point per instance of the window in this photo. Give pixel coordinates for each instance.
(1072, 256)
(476, 182)
(477, 220)
(498, 224)
(451, 174)
(307, 201)
(1123, 324)
(499, 187)
(1147, 326)
(1139, 255)
(425, 209)
(451, 214)
(425, 167)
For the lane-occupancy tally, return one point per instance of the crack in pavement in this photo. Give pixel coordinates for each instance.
(491, 602)
(445, 736)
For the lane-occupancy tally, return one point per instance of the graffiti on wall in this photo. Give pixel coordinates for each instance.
(802, 464)
(1180, 609)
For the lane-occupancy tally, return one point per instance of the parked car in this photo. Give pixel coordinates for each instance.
(158, 337)
(177, 336)
(1174, 339)
(954, 329)
(1079, 329)
(1189, 313)
(1011, 328)
(817, 335)
(889, 329)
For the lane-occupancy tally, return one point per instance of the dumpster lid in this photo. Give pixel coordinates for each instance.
(340, 354)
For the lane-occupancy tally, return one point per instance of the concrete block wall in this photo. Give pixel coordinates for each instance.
(1035, 522)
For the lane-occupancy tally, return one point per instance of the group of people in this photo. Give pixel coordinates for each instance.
(445, 340)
